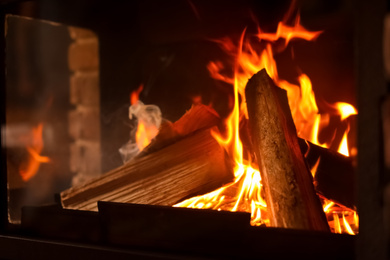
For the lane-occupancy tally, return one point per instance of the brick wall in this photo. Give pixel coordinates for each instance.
(84, 117)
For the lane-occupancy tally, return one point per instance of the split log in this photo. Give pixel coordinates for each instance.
(195, 165)
(291, 199)
(198, 117)
(335, 174)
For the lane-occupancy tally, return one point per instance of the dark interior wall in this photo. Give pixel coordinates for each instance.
(149, 41)
(141, 33)
(371, 89)
(166, 46)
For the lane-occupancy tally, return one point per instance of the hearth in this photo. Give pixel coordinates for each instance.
(70, 69)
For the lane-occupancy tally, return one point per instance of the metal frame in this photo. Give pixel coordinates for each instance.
(371, 87)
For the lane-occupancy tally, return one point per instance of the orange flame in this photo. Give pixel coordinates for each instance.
(297, 31)
(28, 169)
(244, 194)
(345, 110)
(144, 135)
(145, 132)
(134, 96)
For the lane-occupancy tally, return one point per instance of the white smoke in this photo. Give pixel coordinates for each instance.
(150, 117)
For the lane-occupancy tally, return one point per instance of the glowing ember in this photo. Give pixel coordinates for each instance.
(29, 168)
(244, 194)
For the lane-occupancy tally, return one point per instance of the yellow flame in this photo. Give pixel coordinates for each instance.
(337, 226)
(356, 219)
(345, 110)
(144, 135)
(343, 148)
(347, 226)
(327, 206)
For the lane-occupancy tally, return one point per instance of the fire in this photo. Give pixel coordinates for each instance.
(29, 168)
(345, 111)
(335, 213)
(244, 194)
(134, 96)
(144, 135)
(147, 129)
(297, 31)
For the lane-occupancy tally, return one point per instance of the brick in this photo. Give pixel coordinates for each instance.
(83, 55)
(84, 89)
(84, 124)
(80, 33)
(85, 158)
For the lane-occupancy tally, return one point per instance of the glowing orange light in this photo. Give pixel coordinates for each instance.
(313, 170)
(337, 226)
(297, 31)
(347, 226)
(144, 135)
(30, 168)
(244, 194)
(343, 148)
(327, 206)
(134, 96)
(345, 110)
(197, 100)
(145, 132)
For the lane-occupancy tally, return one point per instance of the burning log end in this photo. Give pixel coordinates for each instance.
(335, 174)
(198, 117)
(291, 199)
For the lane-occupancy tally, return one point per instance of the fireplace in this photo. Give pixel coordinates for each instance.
(153, 44)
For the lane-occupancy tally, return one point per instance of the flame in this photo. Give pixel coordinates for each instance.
(297, 31)
(337, 226)
(134, 96)
(343, 148)
(244, 194)
(345, 111)
(335, 212)
(144, 135)
(29, 168)
(347, 226)
(148, 125)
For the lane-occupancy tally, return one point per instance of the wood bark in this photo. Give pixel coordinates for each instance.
(194, 165)
(291, 199)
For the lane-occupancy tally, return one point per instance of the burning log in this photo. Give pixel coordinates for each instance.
(291, 199)
(198, 117)
(194, 165)
(334, 175)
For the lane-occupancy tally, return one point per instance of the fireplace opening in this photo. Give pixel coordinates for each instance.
(74, 106)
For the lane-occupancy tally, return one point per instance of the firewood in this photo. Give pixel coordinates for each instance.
(198, 117)
(335, 175)
(291, 199)
(194, 165)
